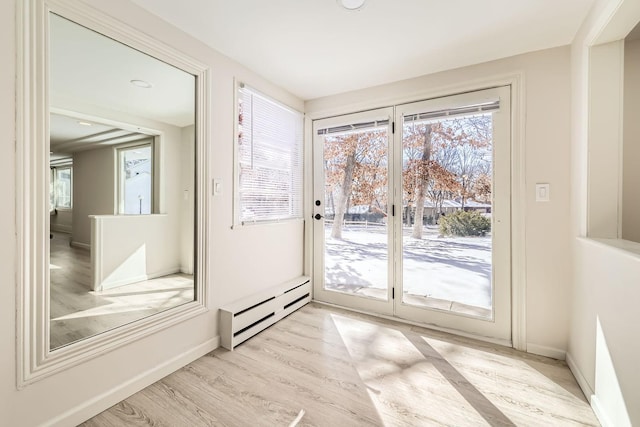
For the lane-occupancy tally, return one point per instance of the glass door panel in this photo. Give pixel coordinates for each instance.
(352, 228)
(446, 234)
(454, 232)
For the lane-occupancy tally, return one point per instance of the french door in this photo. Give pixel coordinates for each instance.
(353, 198)
(412, 212)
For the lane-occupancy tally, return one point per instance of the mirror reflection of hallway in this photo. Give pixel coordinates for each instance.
(122, 182)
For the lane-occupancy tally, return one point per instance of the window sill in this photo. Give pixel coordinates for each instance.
(622, 246)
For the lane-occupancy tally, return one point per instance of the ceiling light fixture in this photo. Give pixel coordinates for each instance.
(351, 4)
(141, 83)
(85, 124)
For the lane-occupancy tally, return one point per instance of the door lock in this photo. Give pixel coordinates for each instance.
(318, 216)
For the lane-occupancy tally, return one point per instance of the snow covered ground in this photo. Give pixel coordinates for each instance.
(456, 269)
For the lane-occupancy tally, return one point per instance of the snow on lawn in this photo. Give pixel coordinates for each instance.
(447, 268)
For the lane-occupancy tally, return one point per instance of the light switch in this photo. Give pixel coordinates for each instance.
(217, 187)
(542, 192)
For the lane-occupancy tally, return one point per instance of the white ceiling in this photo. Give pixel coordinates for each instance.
(315, 48)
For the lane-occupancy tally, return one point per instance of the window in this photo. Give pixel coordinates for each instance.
(135, 165)
(61, 187)
(269, 159)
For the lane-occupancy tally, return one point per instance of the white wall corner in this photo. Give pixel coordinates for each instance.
(579, 376)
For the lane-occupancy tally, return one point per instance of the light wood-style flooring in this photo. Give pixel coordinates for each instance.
(336, 368)
(77, 312)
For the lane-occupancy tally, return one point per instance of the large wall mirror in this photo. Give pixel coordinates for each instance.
(117, 154)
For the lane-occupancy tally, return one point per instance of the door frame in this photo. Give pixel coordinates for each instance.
(423, 89)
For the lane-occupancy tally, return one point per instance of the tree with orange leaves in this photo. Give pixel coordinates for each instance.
(444, 158)
(355, 172)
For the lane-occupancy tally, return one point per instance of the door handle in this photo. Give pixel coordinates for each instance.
(318, 216)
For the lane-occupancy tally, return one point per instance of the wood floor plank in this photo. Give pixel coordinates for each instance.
(348, 369)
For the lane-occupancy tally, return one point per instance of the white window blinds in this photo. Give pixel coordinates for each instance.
(270, 151)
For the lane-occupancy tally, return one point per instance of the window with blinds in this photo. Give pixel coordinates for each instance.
(269, 159)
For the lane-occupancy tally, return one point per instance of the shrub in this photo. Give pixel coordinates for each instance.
(461, 223)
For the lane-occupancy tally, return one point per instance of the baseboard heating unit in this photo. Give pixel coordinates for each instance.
(244, 318)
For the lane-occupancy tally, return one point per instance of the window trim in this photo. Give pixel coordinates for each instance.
(237, 222)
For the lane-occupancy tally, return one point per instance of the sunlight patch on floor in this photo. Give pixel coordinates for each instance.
(438, 380)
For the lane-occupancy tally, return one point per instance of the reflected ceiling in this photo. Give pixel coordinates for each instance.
(89, 71)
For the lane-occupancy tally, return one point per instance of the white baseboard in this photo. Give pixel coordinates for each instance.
(80, 245)
(135, 279)
(588, 393)
(542, 350)
(580, 378)
(106, 285)
(97, 404)
(600, 413)
(163, 273)
(61, 228)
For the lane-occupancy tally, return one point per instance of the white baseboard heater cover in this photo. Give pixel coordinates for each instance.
(244, 318)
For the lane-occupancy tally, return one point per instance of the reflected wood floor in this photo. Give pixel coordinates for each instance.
(77, 312)
(347, 369)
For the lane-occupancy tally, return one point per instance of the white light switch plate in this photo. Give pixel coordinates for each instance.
(542, 192)
(217, 187)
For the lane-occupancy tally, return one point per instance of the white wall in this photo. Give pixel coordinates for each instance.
(603, 349)
(8, 395)
(546, 77)
(187, 152)
(242, 261)
(606, 294)
(631, 143)
(93, 190)
(131, 248)
(62, 221)
(603, 182)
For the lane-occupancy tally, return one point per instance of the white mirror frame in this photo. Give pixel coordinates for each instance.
(34, 358)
